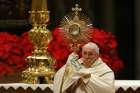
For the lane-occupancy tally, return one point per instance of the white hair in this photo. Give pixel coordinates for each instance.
(92, 46)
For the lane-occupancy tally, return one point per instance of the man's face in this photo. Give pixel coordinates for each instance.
(89, 55)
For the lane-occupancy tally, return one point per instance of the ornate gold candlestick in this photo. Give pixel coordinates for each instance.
(40, 64)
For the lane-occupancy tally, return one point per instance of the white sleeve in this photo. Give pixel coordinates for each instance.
(99, 84)
(73, 60)
(102, 84)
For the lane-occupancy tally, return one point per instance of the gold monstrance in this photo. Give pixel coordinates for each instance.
(76, 28)
(40, 64)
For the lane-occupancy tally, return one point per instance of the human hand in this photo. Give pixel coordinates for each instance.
(75, 47)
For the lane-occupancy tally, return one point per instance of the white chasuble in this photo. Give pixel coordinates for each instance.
(72, 78)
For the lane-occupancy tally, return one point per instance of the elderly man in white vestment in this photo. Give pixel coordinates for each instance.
(88, 74)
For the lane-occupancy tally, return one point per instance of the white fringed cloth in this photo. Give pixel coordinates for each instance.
(127, 86)
(122, 86)
(26, 86)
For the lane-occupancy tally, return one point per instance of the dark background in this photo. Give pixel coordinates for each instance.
(116, 16)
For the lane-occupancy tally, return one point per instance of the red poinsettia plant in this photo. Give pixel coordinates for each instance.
(13, 51)
(107, 42)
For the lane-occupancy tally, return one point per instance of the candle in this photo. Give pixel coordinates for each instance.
(44, 5)
(34, 4)
(39, 5)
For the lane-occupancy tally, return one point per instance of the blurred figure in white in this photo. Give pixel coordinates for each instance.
(89, 74)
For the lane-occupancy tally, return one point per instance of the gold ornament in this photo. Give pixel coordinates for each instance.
(75, 27)
(40, 63)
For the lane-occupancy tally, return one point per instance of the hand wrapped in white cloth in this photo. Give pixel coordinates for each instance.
(73, 60)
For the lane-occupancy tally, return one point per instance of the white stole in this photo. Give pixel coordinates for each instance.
(101, 80)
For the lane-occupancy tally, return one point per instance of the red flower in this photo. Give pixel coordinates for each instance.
(13, 51)
(112, 42)
(117, 65)
(107, 59)
(58, 48)
(5, 69)
(100, 37)
(105, 40)
(25, 44)
(2, 70)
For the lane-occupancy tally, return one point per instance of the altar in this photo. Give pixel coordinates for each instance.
(40, 62)
(122, 86)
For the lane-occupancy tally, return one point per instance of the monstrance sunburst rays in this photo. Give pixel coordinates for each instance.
(75, 27)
